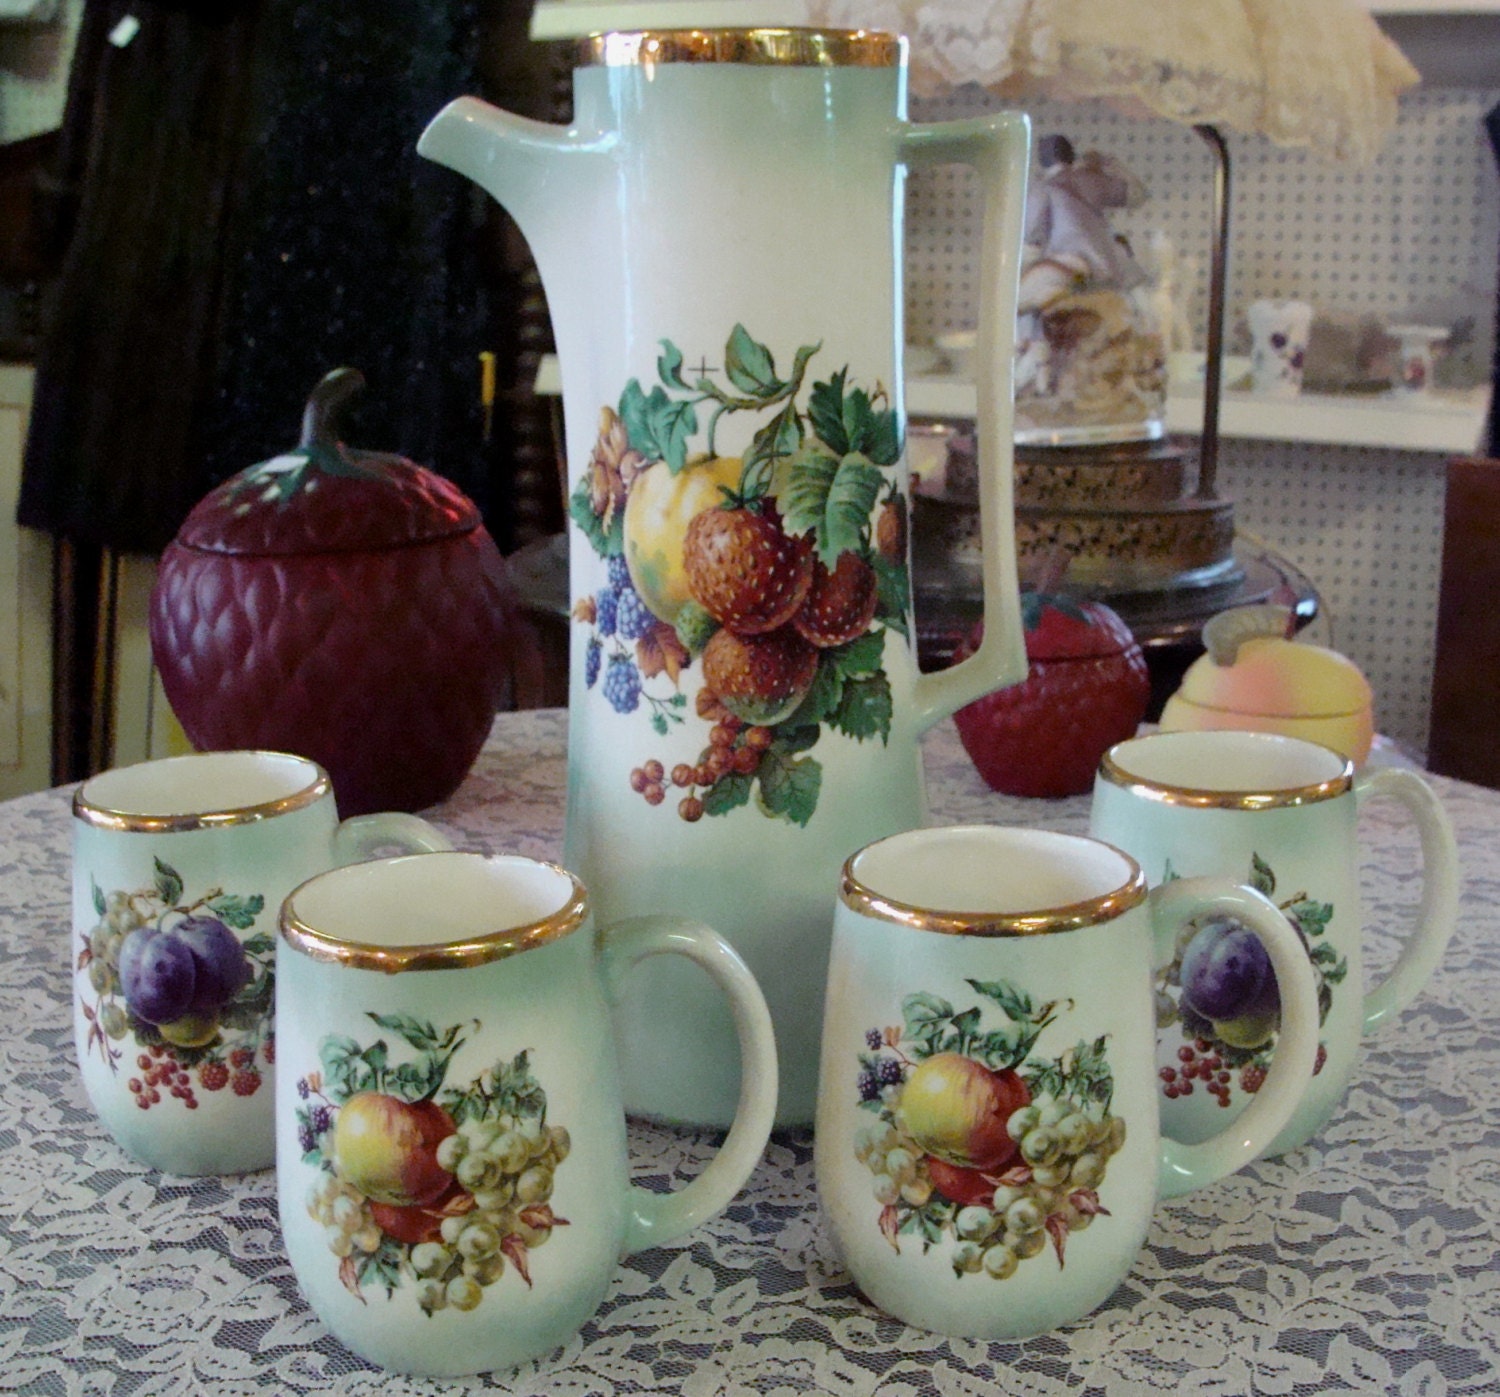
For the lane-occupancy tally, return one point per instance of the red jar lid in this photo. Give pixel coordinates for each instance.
(325, 497)
(289, 505)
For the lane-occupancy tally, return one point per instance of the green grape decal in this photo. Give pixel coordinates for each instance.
(779, 574)
(975, 1143)
(419, 1182)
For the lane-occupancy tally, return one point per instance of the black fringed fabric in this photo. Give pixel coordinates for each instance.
(252, 213)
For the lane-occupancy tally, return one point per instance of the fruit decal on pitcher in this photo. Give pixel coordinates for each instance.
(423, 1183)
(975, 1141)
(1219, 986)
(778, 573)
(172, 976)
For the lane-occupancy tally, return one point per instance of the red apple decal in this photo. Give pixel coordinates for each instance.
(967, 1187)
(416, 1222)
(956, 1109)
(387, 1148)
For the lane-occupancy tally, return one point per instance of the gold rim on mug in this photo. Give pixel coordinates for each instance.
(1200, 798)
(131, 822)
(787, 47)
(450, 955)
(1093, 911)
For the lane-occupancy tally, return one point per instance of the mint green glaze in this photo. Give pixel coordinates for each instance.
(689, 204)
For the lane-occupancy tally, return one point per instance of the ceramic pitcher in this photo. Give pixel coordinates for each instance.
(719, 238)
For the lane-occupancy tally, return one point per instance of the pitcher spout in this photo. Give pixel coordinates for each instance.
(528, 167)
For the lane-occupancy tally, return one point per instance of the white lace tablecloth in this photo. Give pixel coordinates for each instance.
(1366, 1262)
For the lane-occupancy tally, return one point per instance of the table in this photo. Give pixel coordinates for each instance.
(1368, 1261)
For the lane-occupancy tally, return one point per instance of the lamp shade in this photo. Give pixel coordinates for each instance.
(1313, 73)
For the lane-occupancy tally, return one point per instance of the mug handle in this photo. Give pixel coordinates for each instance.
(363, 836)
(998, 146)
(1185, 1167)
(1438, 914)
(656, 1218)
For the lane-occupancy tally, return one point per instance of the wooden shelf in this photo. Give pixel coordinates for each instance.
(1448, 422)
(1451, 423)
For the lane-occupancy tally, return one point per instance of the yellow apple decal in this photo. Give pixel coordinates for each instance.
(956, 1109)
(387, 1148)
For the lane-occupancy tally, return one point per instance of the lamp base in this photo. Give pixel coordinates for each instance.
(1119, 512)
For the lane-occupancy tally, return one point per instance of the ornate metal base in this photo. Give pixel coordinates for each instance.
(1119, 512)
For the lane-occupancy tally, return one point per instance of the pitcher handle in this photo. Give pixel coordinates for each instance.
(656, 1218)
(1438, 914)
(1184, 1167)
(998, 146)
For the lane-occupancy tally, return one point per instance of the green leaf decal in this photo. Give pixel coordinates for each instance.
(637, 415)
(669, 365)
(1262, 879)
(749, 366)
(825, 406)
(789, 786)
(1014, 1001)
(345, 1072)
(421, 1035)
(1312, 917)
(893, 593)
(865, 709)
(779, 438)
(925, 1015)
(168, 883)
(675, 425)
(883, 439)
(861, 657)
(516, 1090)
(238, 912)
(98, 894)
(831, 501)
(726, 794)
(606, 542)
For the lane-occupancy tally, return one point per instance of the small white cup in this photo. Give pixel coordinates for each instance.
(1279, 332)
(1418, 349)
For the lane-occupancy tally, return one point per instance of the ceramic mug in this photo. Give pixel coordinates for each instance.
(1280, 815)
(450, 1102)
(1279, 335)
(179, 866)
(987, 1147)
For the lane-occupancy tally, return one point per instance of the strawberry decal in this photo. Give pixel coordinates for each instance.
(751, 594)
(1085, 690)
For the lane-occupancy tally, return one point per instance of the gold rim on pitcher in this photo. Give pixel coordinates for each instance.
(787, 47)
(1093, 911)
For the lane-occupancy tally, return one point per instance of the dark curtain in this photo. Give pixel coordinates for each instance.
(235, 206)
(1492, 125)
(251, 212)
(150, 150)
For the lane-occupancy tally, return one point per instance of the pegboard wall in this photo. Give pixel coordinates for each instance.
(1413, 237)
